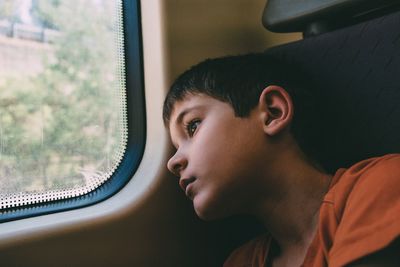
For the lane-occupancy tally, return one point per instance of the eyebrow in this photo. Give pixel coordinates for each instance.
(184, 112)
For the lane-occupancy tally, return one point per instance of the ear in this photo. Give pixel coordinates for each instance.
(276, 109)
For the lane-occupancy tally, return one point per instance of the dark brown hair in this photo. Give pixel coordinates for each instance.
(239, 81)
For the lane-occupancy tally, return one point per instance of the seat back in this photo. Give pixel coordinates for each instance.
(356, 72)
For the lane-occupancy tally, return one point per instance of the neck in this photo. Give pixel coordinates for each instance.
(290, 212)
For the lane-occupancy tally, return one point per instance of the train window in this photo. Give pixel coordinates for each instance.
(64, 98)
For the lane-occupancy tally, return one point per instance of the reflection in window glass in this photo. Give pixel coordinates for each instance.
(62, 106)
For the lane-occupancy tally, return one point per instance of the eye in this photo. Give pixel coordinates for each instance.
(191, 127)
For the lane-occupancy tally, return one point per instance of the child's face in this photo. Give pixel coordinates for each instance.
(218, 155)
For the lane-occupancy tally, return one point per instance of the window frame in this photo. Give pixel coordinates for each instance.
(136, 119)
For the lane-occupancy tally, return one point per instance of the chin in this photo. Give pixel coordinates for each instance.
(205, 216)
(206, 210)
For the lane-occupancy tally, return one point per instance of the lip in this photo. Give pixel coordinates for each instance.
(184, 183)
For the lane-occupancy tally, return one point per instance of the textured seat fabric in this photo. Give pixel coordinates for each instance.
(356, 73)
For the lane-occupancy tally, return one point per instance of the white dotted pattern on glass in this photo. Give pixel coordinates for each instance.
(63, 125)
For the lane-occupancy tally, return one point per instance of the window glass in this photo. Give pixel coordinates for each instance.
(63, 127)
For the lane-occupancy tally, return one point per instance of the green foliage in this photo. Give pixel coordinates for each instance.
(64, 120)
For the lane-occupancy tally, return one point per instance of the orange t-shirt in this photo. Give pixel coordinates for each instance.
(360, 215)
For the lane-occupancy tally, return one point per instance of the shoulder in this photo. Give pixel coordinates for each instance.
(376, 177)
(379, 177)
(388, 166)
(249, 253)
(367, 201)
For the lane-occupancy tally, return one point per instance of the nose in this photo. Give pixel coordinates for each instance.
(177, 164)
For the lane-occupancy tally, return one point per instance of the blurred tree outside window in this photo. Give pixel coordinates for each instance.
(62, 106)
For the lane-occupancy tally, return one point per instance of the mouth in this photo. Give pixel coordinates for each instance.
(184, 184)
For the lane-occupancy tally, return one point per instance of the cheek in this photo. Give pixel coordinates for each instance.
(207, 148)
(224, 150)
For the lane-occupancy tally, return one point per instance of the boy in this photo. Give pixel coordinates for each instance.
(242, 127)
